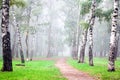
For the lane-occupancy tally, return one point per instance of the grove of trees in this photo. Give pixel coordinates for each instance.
(42, 28)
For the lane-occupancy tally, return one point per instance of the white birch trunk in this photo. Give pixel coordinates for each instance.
(111, 63)
(19, 37)
(91, 23)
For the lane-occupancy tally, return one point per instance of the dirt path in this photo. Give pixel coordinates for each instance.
(71, 73)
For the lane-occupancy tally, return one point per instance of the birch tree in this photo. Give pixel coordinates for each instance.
(6, 45)
(91, 24)
(111, 63)
(19, 37)
(85, 8)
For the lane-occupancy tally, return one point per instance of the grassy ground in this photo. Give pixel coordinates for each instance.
(99, 70)
(35, 70)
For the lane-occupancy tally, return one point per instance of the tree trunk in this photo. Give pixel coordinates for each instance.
(27, 50)
(49, 54)
(78, 30)
(91, 24)
(33, 47)
(78, 41)
(82, 50)
(111, 63)
(20, 45)
(74, 47)
(27, 32)
(118, 47)
(117, 44)
(16, 50)
(6, 45)
(19, 38)
(14, 44)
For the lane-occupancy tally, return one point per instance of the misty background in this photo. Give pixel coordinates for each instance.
(52, 29)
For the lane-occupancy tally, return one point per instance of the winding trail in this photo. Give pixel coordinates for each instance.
(71, 73)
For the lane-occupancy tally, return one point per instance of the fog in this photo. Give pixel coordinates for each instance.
(51, 28)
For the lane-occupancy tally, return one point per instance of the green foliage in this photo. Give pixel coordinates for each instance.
(85, 7)
(103, 15)
(34, 70)
(0, 3)
(32, 30)
(99, 1)
(99, 14)
(36, 12)
(99, 71)
(84, 24)
(23, 28)
(36, 7)
(18, 3)
(107, 15)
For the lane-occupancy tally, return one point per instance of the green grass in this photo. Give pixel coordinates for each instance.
(35, 70)
(99, 70)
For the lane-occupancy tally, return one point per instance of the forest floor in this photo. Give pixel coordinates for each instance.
(43, 69)
(71, 73)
